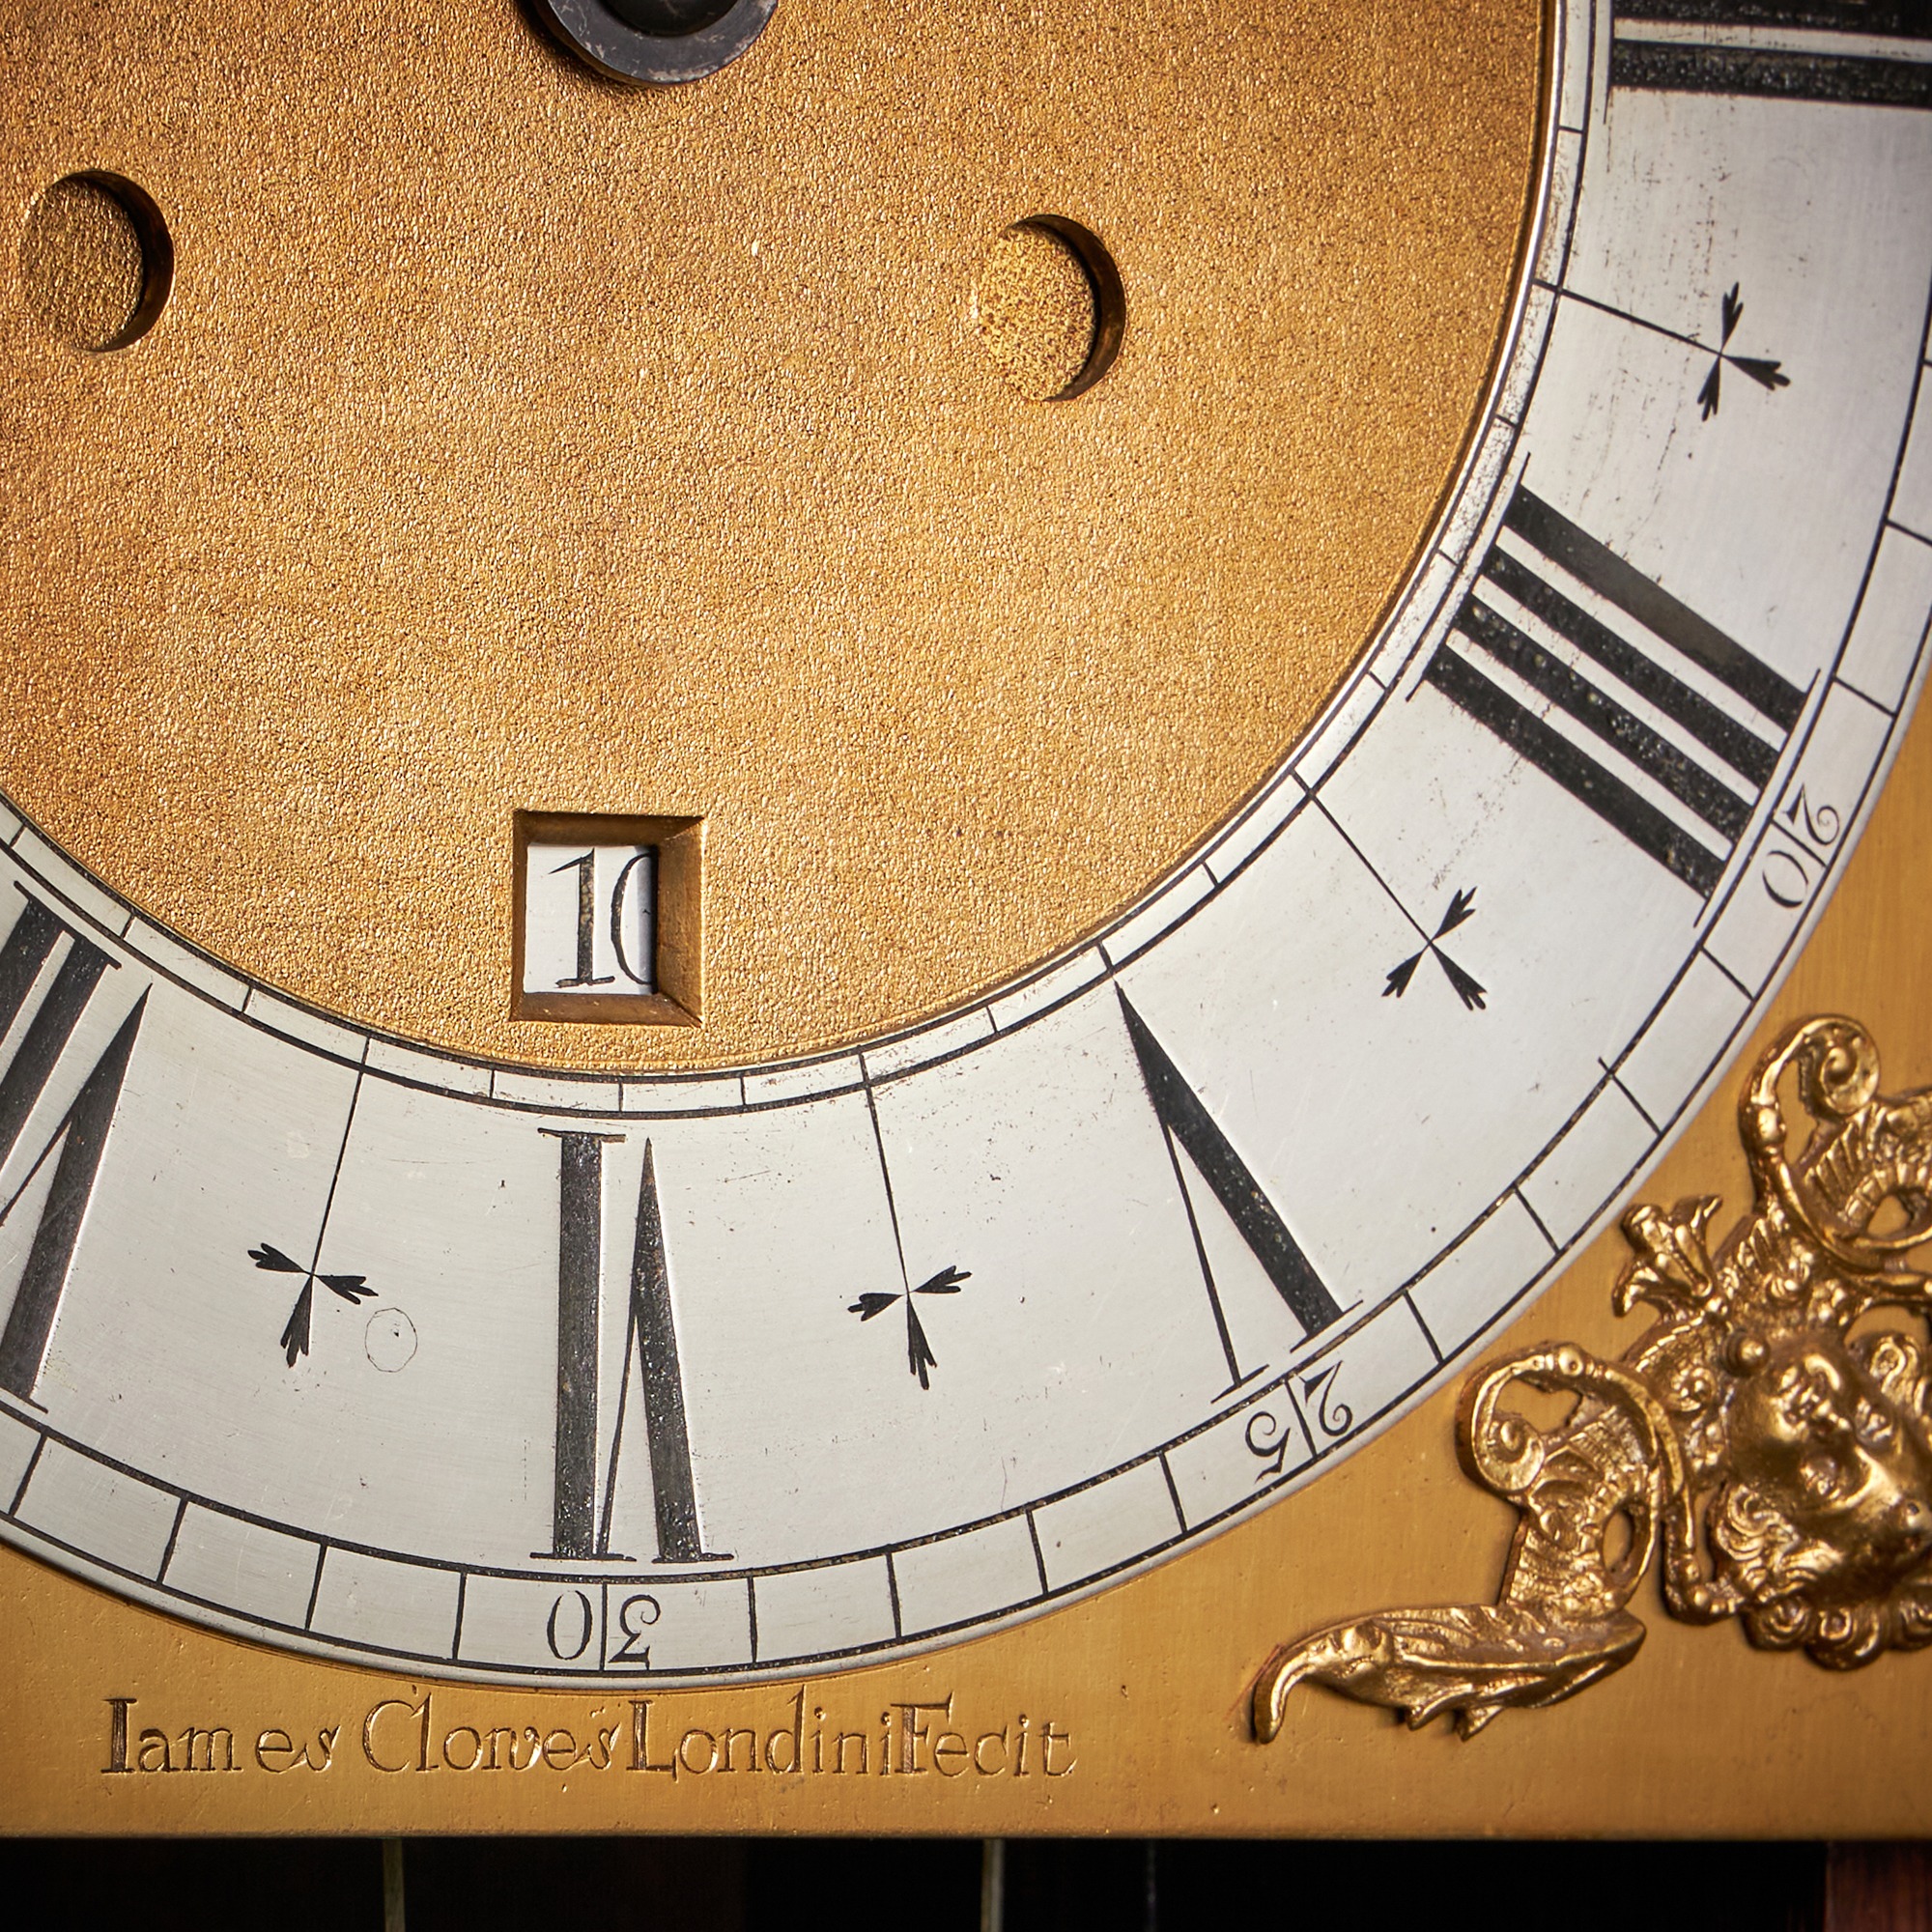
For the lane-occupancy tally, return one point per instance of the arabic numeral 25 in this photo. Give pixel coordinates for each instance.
(1806, 838)
(1272, 1437)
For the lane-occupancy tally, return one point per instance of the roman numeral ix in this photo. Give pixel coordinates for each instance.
(79, 1136)
(1528, 614)
(580, 1530)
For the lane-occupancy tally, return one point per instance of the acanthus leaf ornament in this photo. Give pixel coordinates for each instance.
(1774, 1464)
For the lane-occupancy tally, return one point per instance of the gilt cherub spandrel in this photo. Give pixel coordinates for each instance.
(1776, 1464)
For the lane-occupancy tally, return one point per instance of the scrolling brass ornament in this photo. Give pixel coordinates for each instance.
(1749, 1427)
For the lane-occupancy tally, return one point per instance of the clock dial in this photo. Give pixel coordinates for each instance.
(379, 1351)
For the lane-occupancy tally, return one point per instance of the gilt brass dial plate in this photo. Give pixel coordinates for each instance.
(1483, 596)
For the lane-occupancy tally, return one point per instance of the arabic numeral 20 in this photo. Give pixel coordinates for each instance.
(1805, 838)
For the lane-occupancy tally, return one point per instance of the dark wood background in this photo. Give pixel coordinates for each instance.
(696, 1885)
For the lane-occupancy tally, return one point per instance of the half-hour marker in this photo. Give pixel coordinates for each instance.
(352, 1287)
(920, 1357)
(1764, 371)
(1518, 605)
(1468, 989)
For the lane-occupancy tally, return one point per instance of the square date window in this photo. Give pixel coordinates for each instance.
(609, 919)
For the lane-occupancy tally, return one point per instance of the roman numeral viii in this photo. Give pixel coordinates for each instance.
(1189, 1127)
(1535, 613)
(582, 1527)
(79, 1137)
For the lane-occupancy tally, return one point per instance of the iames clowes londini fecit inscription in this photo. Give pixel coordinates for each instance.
(1779, 1465)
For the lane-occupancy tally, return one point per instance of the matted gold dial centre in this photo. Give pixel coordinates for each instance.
(514, 442)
